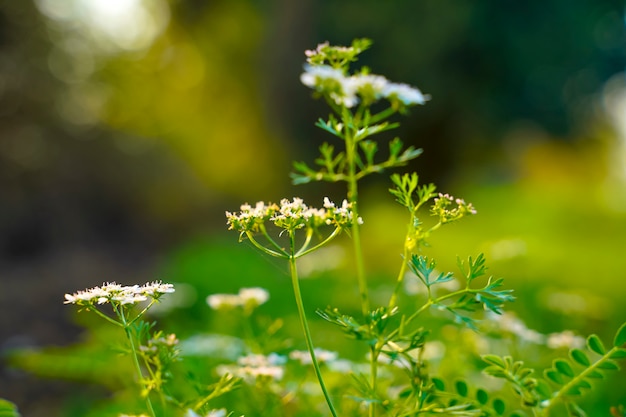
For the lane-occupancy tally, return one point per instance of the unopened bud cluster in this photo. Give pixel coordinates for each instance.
(449, 209)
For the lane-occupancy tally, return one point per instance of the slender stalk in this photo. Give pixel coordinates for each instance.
(394, 297)
(303, 321)
(135, 357)
(303, 251)
(353, 194)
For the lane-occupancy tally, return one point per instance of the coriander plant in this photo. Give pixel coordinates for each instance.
(408, 370)
(395, 335)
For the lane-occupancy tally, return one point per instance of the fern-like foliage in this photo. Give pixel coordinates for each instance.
(468, 299)
(567, 380)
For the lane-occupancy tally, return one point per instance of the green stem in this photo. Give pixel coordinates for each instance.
(353, 194)
(270, 252)
(303, 251)
(135, 358)
(303, 321)
(93, 308)
(272, 241)
(374, 376)
(394, 297)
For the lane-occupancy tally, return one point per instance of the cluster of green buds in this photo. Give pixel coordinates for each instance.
(450, 209)
(290, 216)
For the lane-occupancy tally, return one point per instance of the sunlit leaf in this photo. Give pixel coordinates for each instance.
(494, 360)
(8, 409)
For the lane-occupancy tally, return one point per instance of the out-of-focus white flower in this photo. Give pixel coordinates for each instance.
(330, 80)
(213, 413)
(255, 296)
(247, 297)
(304, 357)
(566, 339)
(255, 366)
(223, 301)
(405, 93)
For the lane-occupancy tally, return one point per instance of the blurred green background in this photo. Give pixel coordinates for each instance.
(128, 127)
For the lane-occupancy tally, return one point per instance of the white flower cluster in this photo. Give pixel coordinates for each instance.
(442, 208)
(304, 357)
(247, 297)
(168, 342)
(290, 215)
(256, 366)
(509, 323)
(349, 90)
(565, 340)
(120, 294)
(221, 412)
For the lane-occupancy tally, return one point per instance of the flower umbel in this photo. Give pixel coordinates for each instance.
(290, 216)
(115, 293)
(348, 91)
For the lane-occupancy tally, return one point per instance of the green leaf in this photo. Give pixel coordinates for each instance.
(499, 406)
(461, 388)
(494, 360)
(595, 374)
(482, 396)
(543, 389)
(609, 365)
(620, 336)
(8, 409)
(563, 366)
(583, 383)
(580, 357)
(595, 344)
(554, 376)
(618, 354)
(439, 384)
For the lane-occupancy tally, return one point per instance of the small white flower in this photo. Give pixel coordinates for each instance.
(221, 301)
(213, 413)
(566, 339)
(255, 366)
(304, 357)
(405, 93)
(256, 296)
(324, 78)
